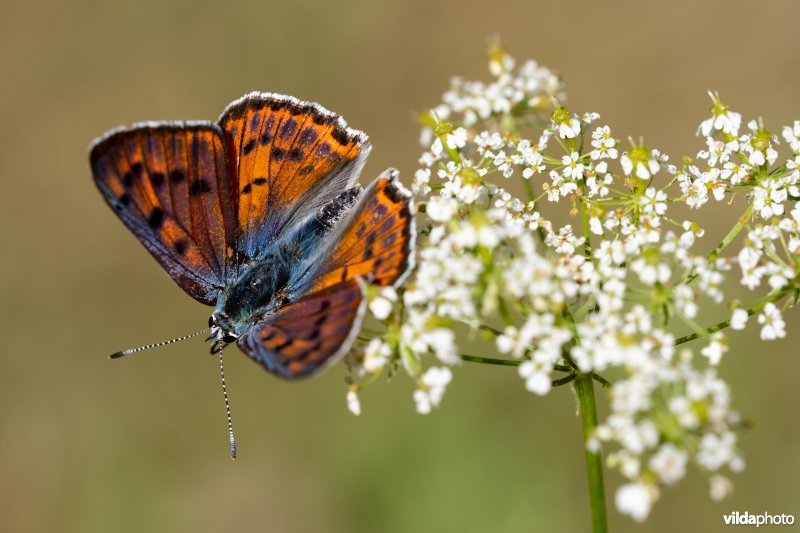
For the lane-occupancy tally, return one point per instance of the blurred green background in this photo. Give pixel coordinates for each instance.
(140, 445)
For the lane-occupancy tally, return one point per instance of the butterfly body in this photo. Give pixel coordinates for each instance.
(260, 215)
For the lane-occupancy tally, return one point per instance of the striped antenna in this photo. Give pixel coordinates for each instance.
(231, 438)
(157, 344)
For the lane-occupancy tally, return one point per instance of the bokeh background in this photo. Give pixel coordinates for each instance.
(140, 445)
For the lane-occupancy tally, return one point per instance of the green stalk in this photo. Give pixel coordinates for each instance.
(584, 389)
(516, 362)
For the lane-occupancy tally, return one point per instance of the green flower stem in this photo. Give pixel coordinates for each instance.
(753, 309)
(516, 362)
(587, 244)
(569, 378)
(529, 189)
(732, 234)
(584, 389)
(491, 361)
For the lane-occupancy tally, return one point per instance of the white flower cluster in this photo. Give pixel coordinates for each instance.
(609, 293)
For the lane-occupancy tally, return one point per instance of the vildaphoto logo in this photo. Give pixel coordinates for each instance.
(764, 519)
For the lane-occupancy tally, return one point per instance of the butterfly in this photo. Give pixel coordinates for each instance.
(260, 215)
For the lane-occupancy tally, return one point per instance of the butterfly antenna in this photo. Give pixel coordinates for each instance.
(227, 407)
(157, 344)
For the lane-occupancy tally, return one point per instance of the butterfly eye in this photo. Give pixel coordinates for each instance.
(211, 321)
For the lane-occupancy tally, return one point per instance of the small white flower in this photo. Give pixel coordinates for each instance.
(569, 129)
(431, 388)
(457, 139)
(773, 326)
(376, 355)
(421, 183)
(353, 403)
(381, 308)
(669, 463)
(573, 168)
(720, 487)
(739, 319)
(443, 343)
(635, 500)
(654, 202)
(536, 376)
(722, 120)
(716, 348)
(441, 209)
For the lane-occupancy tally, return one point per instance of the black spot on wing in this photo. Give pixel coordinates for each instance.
(311, 350)
(180, 246)
(284, 344)
(288, 128)
(137, 169)
(380, 210)
(394, 193)
(308, 136)
(157, 179)
(340, 136)
(156, 218)
(254, 120)
(323, 149)
(278, 153)
(387, 224)
(389, 240)
(247, 188)
(296, 154)
(249, 146)
(200, 186)
(176, 176)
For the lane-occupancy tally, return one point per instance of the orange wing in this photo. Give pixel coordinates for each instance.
(375, 242)
(169, 183)
(291, 158)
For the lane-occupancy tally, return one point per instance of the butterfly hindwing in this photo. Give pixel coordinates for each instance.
(291, 158)
(308, 335)
(375, 242)
(170, 185)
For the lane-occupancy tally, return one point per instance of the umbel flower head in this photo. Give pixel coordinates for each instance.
(619, 291)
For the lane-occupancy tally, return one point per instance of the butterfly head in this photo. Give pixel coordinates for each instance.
(222, 331)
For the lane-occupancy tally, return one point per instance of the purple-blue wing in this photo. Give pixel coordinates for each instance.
(170, 185)
(308, 335)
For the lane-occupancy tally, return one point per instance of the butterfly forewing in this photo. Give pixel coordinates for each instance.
(169, 183)
(307, 335)
(291, 158)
